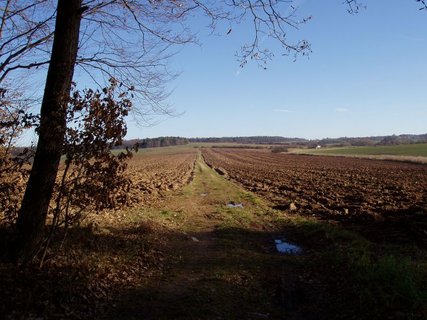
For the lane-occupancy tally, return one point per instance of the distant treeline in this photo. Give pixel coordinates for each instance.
(343, 141)
(154, 142)
(250, 140)
(375, 140)
(280, 141)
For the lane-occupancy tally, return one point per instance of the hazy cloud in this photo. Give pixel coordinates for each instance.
(283, 110)
(342, 110)
(412, 38)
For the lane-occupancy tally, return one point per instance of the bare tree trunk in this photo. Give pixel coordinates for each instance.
(32, 216)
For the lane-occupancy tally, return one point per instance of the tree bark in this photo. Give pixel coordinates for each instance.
(32, 216)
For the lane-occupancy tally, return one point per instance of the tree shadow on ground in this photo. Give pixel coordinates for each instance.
(389, 226)
(80, 276)
(150, 272)
(229, 273)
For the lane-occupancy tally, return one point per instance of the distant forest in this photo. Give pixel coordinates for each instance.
(375, 140)
(277, 140)
(154, 142)
(250, 140)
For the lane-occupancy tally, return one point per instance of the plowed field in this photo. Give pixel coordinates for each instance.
(345, 189)
(153, 174)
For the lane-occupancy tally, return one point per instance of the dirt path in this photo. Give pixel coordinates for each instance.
(222, 263)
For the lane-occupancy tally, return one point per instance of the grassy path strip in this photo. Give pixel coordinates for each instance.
(223, 261)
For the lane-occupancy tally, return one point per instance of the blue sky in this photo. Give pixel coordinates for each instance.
(367, 75)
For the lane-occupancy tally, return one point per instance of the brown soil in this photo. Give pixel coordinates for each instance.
(153, 176)
(386, 200)
(190, 256)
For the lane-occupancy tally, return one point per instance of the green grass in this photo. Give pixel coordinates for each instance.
(417, 150)
(379, 279)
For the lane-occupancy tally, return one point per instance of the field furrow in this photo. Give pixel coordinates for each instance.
(153, 175)
(331, 187)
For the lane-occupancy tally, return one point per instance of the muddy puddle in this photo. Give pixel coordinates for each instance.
(286, 247)
(234, 205)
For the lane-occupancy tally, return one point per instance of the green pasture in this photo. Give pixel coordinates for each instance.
(415, 150)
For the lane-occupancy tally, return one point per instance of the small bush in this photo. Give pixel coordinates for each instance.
(279, 149)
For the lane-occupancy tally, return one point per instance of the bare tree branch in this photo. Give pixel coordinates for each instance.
(25, 35)
(423, 4)
(353, 6)
(28, 66)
